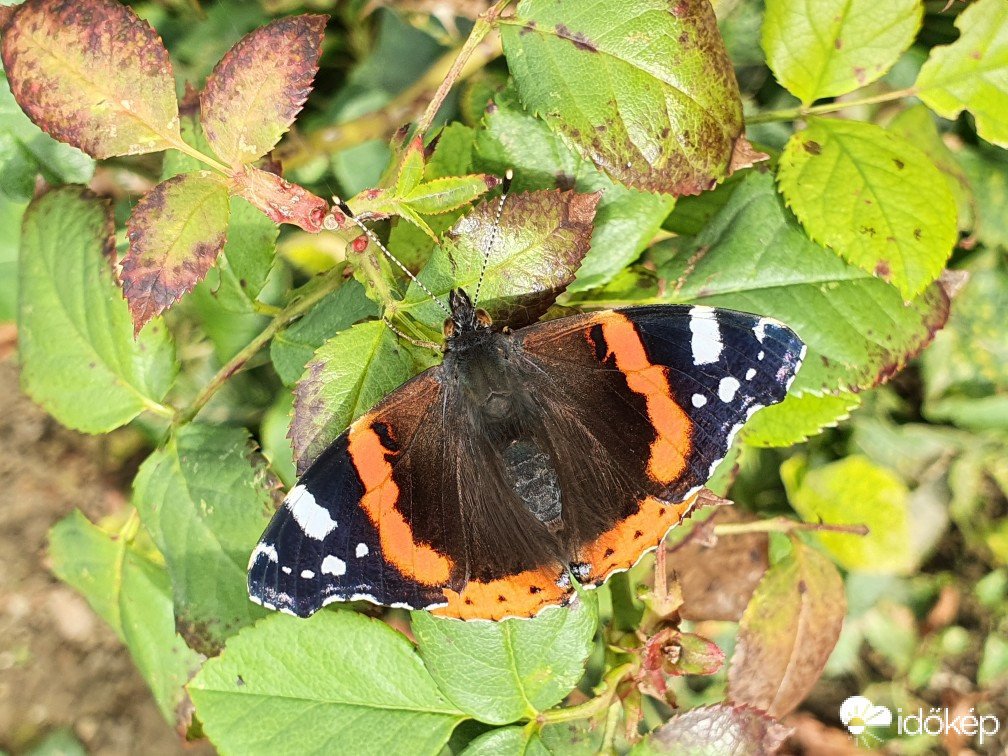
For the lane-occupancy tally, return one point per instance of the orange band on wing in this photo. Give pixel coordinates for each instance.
(624, 544)
(521, 595)
(672, 445)
(412, 559)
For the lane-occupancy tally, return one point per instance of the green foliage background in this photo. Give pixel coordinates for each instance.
(876, 228)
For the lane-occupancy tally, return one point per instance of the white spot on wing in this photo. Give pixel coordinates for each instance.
(727, 388)
(750, 374)
(761, 355)
(706, 341)
(760, 329)
(307, 574)
(313, 519)
(333, 565)
(699, 400)
(264, 548)
(286, 570)
(362, 550)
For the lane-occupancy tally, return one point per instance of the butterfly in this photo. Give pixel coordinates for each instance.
(526, 462)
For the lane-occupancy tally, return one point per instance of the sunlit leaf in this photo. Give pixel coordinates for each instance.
(824, 48)
(972, 73)
(872, 197)
(175, 233)
(798, 418)
(643, 89)
(787, 632)
(92, 74)
(259, 87)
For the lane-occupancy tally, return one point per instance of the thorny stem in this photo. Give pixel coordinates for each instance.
(593, 706)
(297, 150)
(291, 312)
(483, 25)
(784, 525)
(790, 114)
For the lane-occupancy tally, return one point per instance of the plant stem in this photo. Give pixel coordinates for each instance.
(593, 706)
(484, 24)
(784, 525)
(291, 312)
(297, 150)
(181, 146)
(790, 114)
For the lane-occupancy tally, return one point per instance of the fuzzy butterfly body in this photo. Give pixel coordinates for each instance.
(568, 448)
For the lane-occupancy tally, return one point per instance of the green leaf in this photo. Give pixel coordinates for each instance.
(987, 171)
(26, 151)
(205, 498)
(93, 75)
(625, 219)
(564, 739)
(738, 730)
(650, 99)
(787, 632)
(857, 328)
(259, 87)
(857, 188)
(276, 446)
(293, 347)
(132, 594)
(972, 73)
(175, 233)
(338, 682)
(824, 48)
(798, 418)
(348, 374)
(854, 491)
(79, 359)
(246, 260)
(498, 672)
(541, 239)
(10, 239)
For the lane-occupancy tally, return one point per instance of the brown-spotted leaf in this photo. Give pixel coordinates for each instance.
(787, 632)
(642, 88)
(542, 239)
(259, 86)
(718, 575)
(92, 74)
(175, 233)
(281, 200)
(716, 731)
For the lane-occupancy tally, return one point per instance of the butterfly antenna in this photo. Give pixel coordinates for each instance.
(370, 235)
(508, 175)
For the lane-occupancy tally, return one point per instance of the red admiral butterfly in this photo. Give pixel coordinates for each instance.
(567, 448)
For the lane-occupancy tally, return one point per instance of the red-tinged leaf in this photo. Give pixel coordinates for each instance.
(92, 74)
(720, 730)
(259, 86)
(175, 233)
(411, 169)
(670, 653)
(787, 632)
(718, 575)
(281, 200)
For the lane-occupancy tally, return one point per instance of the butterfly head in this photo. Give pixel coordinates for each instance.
(465, 318)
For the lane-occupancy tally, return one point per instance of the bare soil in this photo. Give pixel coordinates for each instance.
(61, 667)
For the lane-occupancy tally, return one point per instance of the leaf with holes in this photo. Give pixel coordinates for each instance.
(205, 498)
(972, 73)
(854, 491)
(279, 199)
(534, 254)
(334, 390)
(312, 671)
(873, 197)
(787, 632)
(626, 219)
(651, 100)
(132, 593)
(92, 74)
(825, 48)
(175, 233)
(78, 356)
(857, 328)
(259, 87)
(499, 672)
